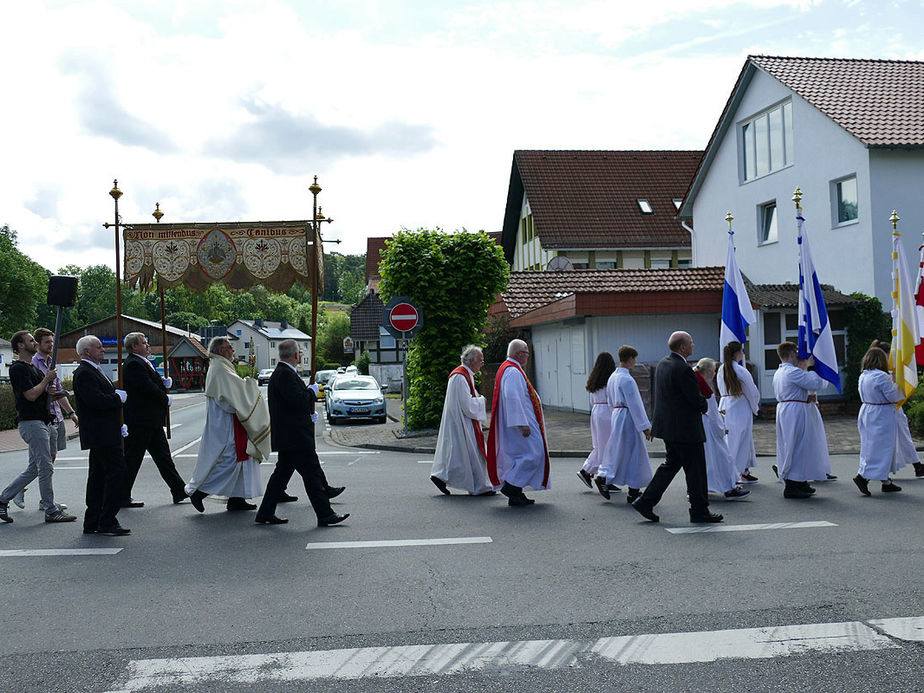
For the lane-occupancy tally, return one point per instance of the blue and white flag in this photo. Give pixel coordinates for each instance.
(737, 313)
(815, 338)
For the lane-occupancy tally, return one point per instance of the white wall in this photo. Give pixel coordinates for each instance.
(564, 353)
(822, 152)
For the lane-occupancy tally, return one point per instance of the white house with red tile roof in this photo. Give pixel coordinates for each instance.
(597, 209)
(850, 134)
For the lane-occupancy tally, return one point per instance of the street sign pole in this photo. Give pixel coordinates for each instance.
(401, 318)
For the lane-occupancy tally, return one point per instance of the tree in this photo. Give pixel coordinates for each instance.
(864, 322)
(454, 278)
(23, 286)
(186, 320)
(336, 326)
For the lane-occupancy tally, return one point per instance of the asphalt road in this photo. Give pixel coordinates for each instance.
(573, 569)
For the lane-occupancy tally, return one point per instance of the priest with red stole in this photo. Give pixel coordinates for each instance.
(460, 454)
(518, 454)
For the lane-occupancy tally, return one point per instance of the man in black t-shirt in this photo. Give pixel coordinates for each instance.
(33, 419)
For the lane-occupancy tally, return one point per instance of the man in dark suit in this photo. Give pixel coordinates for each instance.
(292, 417)
(145, 416)
(678, 421)
(101, 432)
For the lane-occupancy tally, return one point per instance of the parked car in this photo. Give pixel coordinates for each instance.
(354, 397)
(264, 376)
(322, 378)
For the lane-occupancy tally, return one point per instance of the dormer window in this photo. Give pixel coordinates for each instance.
(645, 206)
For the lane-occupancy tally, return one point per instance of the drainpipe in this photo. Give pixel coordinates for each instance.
(692, 244)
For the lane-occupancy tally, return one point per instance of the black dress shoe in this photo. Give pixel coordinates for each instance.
(890, 487)
(601, 487)
(132, 503)
(271, 520)
(862, 484)
(708, 517)
(286, 498)
(114, 531)
(586, 478)
(510, 490)
(529, 501)
(441, 485)
(87, 530)
(633, 495)
(334, 491)
(196, 498)
(486, 493)
(518, 501)
(794, 489)
(332, 519)
(179, 497)
(645, 511)
(235, 504)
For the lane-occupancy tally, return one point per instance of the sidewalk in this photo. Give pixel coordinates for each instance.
(10, 440)
(568, 434)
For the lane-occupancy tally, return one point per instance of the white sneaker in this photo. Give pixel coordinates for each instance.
(20, 499)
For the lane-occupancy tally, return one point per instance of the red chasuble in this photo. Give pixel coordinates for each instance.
(240, 439)
(494, 442)
(479, 435)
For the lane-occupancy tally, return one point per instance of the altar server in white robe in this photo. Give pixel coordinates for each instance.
(721, 473)
(878, 424)
(625, 457)
(740, 402)
(459, 461)
(599, 416)
(801, 445)
(518, 455)
(236, 435)
(906, 451)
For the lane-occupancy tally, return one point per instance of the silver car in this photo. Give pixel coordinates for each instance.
(351, 396)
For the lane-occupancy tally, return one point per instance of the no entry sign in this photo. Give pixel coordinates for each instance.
(402, 318)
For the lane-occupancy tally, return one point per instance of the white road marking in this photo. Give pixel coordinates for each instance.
(15, 553)
(65, 467)
(911, 629)
(71, 459)
(187, 446)
(700, 529)
(173, 425)
(467, 658)
(424, 461)
(350, 452)
(396, 542)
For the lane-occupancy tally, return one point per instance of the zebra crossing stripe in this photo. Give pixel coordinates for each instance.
(457, 658)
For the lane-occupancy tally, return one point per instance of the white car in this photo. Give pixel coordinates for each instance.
(263, 377)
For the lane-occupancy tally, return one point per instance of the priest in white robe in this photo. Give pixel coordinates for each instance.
(801, 445)
(236, 435)
(518, 454)
(460, 457)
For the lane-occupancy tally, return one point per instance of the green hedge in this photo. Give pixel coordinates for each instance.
(7, 407)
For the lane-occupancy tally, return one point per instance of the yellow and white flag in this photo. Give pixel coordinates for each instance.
(904, 322)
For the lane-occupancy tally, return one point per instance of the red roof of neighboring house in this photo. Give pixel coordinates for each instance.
(589, 199)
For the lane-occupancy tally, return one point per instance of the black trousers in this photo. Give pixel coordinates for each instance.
(105, 487)
(692, 459)
(306, 463)
(153, 441)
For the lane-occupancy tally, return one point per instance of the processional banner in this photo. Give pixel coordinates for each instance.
(275, 254)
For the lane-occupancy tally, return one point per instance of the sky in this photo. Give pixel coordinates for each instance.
(408, 111)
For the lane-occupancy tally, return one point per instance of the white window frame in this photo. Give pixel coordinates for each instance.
(835, 201)
(765, 235)
(760, 127)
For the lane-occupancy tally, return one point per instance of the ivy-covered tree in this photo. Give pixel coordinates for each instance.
(454, 278)
(865, 321)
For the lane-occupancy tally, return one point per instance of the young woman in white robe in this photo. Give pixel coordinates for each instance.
(599, 415)
(878, 424)
(721, 473)
(801, 445)
(625, 457)
(740, 402)
(906, 452)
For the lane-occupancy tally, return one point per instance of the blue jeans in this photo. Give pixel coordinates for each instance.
(37, 434)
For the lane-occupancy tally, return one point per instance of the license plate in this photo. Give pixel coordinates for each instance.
(359, 410)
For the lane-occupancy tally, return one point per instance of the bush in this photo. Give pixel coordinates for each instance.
(7, 407)
(362, 363)
(865, 322)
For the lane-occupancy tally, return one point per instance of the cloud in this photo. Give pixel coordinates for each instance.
(44, 202)
(100, 113)
(285, 142)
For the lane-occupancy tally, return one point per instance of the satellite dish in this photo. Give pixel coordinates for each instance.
(559, 262)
